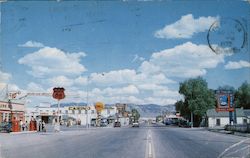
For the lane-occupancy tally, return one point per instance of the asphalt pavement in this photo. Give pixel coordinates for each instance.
(148, 141)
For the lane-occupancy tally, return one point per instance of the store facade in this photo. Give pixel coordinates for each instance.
(10, 110)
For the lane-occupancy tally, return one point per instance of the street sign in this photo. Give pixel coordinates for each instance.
(99, 106)
(58, 93)
(225, 101)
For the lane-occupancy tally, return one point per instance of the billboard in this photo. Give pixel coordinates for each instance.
(225, 100)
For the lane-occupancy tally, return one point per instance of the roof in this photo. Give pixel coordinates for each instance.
(214, 113)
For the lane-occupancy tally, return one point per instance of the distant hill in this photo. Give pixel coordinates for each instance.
(146, 110)
(152, 110)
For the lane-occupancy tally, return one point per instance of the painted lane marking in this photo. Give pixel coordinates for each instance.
(232, 146)
(241, 149)
(149, 146)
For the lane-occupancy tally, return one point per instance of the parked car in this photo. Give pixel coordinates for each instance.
(5, 127)
(168, 122)
(184, 123)
(104, 124)
(135, 124)
(117, 124)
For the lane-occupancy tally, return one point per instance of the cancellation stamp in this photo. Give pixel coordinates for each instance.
(228, 36)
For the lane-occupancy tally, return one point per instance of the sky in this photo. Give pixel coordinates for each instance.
(122, 51)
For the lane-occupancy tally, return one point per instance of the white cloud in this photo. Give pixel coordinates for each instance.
(4, 77)
(137, 58)
(53, 62)
(34, 87)
(159, 100)
(113, 77)
(81, 80)
(60, 81)
(32, 44)
(150, 86)
(128, 76)
(184, 61)
(166, 93)
(186, 27)
(130, 89)
(237, 65)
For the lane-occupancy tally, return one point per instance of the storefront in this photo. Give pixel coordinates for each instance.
(10, 110)
(4, 112)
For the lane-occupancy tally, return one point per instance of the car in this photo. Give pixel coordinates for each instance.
(135, 124)
(184, 123)
(5, 127)
(104, 124)
(117, 124)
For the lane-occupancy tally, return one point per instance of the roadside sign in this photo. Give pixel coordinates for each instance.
(79, 108)
(58, 93)
(225, 101)
(99, 106)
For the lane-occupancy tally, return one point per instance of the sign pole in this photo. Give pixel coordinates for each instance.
(58, 93)
(58, 115)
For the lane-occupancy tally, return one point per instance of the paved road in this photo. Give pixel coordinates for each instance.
(145, 142)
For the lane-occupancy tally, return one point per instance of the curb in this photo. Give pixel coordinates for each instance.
(25, 132)
(230, 132)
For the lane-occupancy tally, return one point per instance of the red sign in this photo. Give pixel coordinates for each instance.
(58, 93)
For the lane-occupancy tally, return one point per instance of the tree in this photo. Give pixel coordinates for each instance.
(135, 115)
(181, 107)
(227, 88)
(198, 98)
(242, 96)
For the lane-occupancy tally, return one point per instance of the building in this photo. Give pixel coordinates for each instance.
(122, 114)
(82, 115)
(11, 109)
(220, 119)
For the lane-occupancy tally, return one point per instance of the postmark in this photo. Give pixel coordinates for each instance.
(227, 35)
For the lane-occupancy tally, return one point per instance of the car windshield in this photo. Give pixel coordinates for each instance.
(124, 79)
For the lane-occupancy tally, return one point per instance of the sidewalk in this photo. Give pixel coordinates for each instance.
(222, 131)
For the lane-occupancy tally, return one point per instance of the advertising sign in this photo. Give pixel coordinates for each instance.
(58, 93)
(79, 108)
(225, 101)
(99, 106)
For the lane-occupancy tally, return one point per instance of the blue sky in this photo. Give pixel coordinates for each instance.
(135, 52)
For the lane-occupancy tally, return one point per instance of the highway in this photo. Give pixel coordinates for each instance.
(148, 141)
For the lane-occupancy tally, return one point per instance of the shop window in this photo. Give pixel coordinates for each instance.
(73, 111)
(79, 111)
(244, 121)
(217, 122)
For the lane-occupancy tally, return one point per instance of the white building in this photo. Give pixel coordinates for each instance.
(220, 119)
(74, 114)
